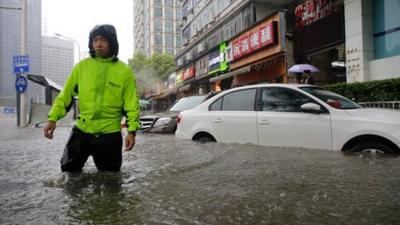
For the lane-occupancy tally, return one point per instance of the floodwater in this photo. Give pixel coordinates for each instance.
(169, 181)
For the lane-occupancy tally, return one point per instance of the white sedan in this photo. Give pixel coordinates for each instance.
(291, 115)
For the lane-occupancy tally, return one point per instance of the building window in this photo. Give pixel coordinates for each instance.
(169, 40)
(186, 33)
(157, 2)
(169, 13)
(386, 28)
(246, 17)
(169, 51)
(158, 39)
(169, 2)
(178, 15)
(158, 26)
(178, 41)
(158, 49)
(169, 27)
(229, 30)
(158, 12)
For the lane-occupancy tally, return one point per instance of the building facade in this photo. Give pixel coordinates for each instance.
(156, 26)
(228, 43)
(58, 58)
(372, 39)
(208, 26)
(10, 45)
(233, 43)
(318, 30)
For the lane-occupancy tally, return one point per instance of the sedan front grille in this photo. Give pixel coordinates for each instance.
(146, 123)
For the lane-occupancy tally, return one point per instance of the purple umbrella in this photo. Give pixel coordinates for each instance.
(300, 68)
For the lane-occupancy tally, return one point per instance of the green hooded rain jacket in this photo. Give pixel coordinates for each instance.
(106, 90)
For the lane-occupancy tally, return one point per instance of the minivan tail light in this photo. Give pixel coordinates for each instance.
(179, 118)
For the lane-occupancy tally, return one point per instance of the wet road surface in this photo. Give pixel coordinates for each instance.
(169, 181)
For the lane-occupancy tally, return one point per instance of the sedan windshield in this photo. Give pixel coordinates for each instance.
(331, 98)
(187, 103)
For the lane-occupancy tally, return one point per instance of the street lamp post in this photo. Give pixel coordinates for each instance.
(75, 42)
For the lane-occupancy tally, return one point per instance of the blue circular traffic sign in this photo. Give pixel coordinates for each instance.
(21, 83)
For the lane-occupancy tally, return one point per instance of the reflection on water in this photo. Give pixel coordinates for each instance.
(167, 181)
(98, 198)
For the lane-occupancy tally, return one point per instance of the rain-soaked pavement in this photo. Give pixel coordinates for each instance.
(168, 181)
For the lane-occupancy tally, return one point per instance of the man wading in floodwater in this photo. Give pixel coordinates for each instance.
(106, 89)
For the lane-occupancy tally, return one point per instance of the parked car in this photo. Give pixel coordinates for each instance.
(291, 115)
(165, 122)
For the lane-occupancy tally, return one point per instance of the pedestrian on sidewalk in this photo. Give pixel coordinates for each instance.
(106, 89)
(308, 78)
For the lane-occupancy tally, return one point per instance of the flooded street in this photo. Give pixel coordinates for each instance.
(169, 181)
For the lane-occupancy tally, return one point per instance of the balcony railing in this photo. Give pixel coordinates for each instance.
(385, 105)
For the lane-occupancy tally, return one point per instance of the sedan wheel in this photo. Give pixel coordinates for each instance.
(372, 148)
(204, 139)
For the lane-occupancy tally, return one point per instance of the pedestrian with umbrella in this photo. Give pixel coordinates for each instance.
(308, 79)
(307, 69)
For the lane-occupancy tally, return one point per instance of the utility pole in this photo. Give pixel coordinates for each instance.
(22, 103)
(21, 98)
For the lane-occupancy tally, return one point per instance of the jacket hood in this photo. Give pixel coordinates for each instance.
(110, 34)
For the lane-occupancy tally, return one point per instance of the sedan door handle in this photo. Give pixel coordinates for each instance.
(217, 120)
(264, 122)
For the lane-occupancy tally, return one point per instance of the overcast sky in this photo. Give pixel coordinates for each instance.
(75, 19)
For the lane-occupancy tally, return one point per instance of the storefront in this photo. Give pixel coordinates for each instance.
(188, 76)
(218, 64)
(201, 71)
(318, 38)
(178, 82)
(257, 55)
(164, 95)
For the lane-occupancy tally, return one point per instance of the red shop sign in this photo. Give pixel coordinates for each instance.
(188, 73)
(249, 42)
(312, 11)
(244, 44)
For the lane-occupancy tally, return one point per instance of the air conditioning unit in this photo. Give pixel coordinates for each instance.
(200, 47)
(189, 56)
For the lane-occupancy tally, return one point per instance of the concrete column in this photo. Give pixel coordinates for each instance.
(359, 38)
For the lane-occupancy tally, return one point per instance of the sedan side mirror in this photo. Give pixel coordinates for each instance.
(311, 107)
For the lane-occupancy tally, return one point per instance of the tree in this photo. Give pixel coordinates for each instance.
(139, 61)
(149, 71)
(163, 64)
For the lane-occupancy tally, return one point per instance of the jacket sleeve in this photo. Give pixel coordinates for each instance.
(131, 103)
(64, 100)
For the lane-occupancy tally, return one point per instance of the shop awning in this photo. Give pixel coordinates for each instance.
(44, 81)
(240, 71)
(184, 87)
(164, 94)
(266, 63)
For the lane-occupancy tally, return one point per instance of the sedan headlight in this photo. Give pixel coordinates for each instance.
(162, 121)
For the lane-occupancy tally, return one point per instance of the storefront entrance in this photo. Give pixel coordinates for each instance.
(331, 65)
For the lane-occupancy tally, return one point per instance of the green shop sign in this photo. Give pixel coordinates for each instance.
(217, 60)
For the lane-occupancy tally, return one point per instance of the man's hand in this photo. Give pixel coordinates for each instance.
(129, 141)
(49, 129)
